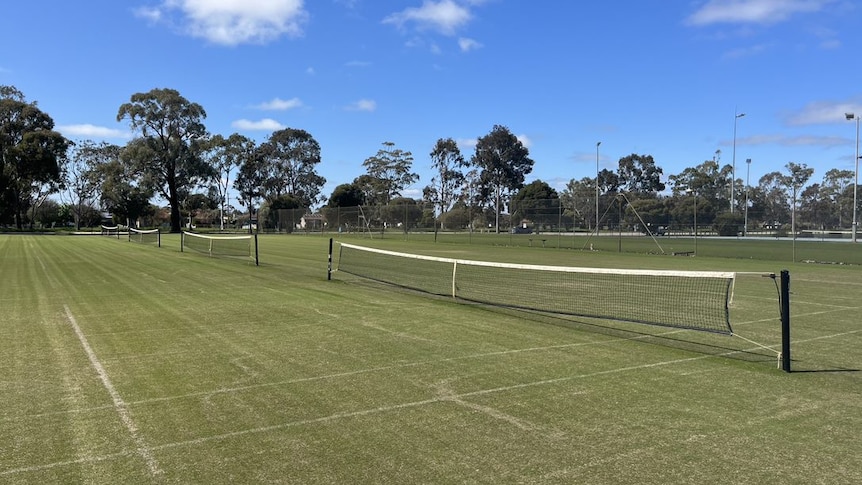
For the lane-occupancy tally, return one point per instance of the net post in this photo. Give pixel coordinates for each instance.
(329, 263)
(256, 259)
(785, 320)
(159, 236)
(182, 240)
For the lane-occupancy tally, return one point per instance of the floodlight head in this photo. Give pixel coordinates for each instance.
(740, 115)
(850, 116)
(598, 143)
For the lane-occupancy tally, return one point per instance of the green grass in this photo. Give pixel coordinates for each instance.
(222, 371)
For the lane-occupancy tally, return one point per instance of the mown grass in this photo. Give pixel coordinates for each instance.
(228, 372)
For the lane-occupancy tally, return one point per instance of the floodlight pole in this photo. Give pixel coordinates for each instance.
(853, 116)
(736, 116)
(747, 187)
(694, 193)
(597, 187)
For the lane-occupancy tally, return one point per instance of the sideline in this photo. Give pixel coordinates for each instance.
(119, 404)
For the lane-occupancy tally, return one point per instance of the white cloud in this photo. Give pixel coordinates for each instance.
(824, 112)
(357, 63)
(752, 11)
(266, 124)
(468, 45)
(232, 22)
(467, 143)
(279, 104)
(444, 16)
(87, 130)
(524, 140)
(310, 71)
(362, 105)
(799, 140)
(748, 51)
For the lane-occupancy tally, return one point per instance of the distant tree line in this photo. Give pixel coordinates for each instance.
(172, 156)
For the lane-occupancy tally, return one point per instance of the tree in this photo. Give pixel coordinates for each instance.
(537, 202)
(121, 193)
(390, 173)
(224, 155)
(639, 174)
(167, 153)
(82, 184)
(504, 163)
(288, 159)
(579, 201)
(447, 160)
(797, 176)
(836, 192)
(345, 195)
(249, 179)
(31, 154)
(770, 198)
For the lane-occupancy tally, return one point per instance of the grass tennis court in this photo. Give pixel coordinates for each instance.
(128, 363)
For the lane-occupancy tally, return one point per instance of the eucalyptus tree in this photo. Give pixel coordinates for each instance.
(32, 155)
(448, 162)
(288, 159)
(391, 172)
(167, 152)
(797, 176)
(504, 163)
(579, 201)
(537, 202)
(120, 191)
(225, 155)
(639, 174)
(83, 182)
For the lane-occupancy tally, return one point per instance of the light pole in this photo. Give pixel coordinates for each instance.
(852, 116)
(736, 117)
(694, 193)
(747, 173)
(597, 187)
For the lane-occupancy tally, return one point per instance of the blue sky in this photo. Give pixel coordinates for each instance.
(658, 77)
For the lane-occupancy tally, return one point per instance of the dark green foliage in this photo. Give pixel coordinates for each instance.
(167, 154)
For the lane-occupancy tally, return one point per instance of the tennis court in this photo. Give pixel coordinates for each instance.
(130, 363)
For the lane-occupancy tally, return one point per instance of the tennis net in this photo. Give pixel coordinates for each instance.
(112, 231)
(244, 246)
(683, 299)
(145, 236)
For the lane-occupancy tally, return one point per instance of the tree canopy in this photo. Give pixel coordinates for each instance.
(31, 154)
(390, 172)
(167, 152)
(504, 163)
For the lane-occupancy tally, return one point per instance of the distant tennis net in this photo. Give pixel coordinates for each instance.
(683, 299)
(111, 231)
(237, 246)
(151, 236)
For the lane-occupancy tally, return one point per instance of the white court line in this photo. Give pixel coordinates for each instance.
(395, 407)
(119, 404)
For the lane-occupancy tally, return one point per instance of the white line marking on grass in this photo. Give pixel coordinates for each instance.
(396, 407)
(120, 405)
(56, 464)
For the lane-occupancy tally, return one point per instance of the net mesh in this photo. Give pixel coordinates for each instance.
(234, 246)
(110, 230)
(681, 299)
(144, 237)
